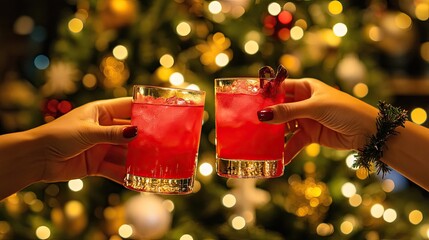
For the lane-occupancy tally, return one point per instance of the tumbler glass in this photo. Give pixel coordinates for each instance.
(246, 147)
(163, 157)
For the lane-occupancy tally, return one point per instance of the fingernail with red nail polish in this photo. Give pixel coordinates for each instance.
(129, 132)
(266, 114)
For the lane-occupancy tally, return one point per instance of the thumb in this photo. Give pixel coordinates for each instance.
(116, 134)
(284, 112)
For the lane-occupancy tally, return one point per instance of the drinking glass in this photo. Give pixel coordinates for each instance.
(246, 147)
(163, 157)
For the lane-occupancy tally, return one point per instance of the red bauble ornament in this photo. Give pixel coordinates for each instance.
(279, 26)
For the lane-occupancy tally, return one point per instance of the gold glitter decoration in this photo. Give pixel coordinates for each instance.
(115, 72)
(308, 197)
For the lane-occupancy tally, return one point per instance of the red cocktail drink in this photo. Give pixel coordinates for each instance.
(163, 156)
(246, 147)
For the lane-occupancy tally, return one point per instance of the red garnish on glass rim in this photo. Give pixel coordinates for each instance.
(269, 88)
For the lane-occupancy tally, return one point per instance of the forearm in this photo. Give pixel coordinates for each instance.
(408, 153)
(21, 164)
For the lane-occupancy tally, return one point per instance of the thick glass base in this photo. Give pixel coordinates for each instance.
(159, 185)
(235, 168)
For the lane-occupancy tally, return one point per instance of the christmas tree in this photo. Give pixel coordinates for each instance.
(62, 54)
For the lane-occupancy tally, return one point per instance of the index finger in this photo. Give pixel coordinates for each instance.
(296, 89)
(117, 108)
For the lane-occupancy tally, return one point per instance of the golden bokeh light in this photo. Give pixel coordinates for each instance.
(43, 232)
(75, 25)
(312, 150)
(335, 7)
(418, 115)
(403, 21)
(166, 61)
(360, 90)
(415, 217)
(422, 11)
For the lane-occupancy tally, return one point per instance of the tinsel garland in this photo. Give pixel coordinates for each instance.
(388, 119)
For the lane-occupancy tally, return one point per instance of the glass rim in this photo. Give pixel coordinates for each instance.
(241, 78)
(167, 88)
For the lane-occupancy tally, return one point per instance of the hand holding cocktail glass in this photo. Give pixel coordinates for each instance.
(245, 146)
(163, 157)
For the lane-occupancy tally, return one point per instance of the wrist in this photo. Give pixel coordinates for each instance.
(388, 120)
(21, 160)
(32, 158)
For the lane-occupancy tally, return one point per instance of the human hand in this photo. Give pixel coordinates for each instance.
(88, 141)
(324, 114)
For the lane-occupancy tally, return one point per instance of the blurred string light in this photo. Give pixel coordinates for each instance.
(75, 185)
(41, 62)
(163, 73)
(43, 232)
(166, 61)
(374, 33)
(418, 115)
(229, 200)
(23, 25)
(340, 29)
(186, 237)
(206, 169)
(415, 217)
(75, 25)
(377, 210)
(324, 229)
(285, 17)
(335, 7)
(176, 79)
(222, 59)
(397, 181)
(422, 10)
(360, 90)
(215, 7)
(251, 47)
(388, 185)
(346, 227)
(238, 222)
(193, 87)
(89, 80)
(348, 189)
(168, 204)
(296, 33)
(74, 209)
(120, 52)
(355, 200)
(125, 231)
(274, 8)
(313, 150)
(183, 29)
(290, 6)
(350, 159)
(403, 21)
(390, 215)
